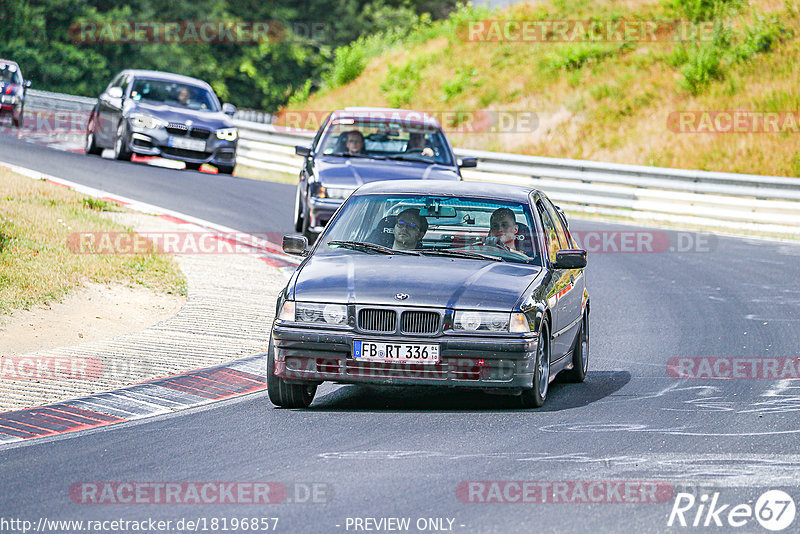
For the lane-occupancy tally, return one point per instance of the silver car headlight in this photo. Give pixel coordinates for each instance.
(313, 312)
(477, 321)
(148, 122)
(227, 134)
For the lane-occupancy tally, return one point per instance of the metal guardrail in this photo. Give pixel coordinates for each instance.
(717, 200)
(724, 201)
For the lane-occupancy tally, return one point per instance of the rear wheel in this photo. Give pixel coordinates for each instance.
(286, 395)
(535, 397)
(91, 143)
(580, 354)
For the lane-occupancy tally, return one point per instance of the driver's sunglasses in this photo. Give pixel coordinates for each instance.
(412, 225)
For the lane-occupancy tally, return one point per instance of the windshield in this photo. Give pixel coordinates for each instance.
(9, 74)
(174, 94)
(466, 227)
(386, 138)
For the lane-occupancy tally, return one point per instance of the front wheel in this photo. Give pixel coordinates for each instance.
(91, 142)
(121, 151)
(298, 211)
(286, 395)
(535, 397)
(20, 120)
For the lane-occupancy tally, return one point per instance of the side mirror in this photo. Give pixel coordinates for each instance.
(27, 84)
(570, 259)
(295, 244)
(115, 92)
(304, 151)
(468, 162)
(228, 109)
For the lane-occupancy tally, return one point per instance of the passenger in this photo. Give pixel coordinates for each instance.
(503, 229)
(184, 96)
(409, 229)
(416, 143)
(354, 142)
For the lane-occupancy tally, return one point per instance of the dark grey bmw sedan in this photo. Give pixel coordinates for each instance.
(434, 283)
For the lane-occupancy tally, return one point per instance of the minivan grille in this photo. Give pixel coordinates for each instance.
(376, 320)
(419, 322)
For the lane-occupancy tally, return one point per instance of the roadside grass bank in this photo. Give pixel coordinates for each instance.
(37, 265)
(609, 100)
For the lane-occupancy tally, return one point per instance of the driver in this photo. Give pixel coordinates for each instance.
(503, 229)
(354, 142)
(416, 142)
(409, 229)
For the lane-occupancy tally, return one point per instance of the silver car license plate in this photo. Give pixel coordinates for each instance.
(396, 352)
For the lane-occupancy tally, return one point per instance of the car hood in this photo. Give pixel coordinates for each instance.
(353, 172)
(428, 281)
(209, 119)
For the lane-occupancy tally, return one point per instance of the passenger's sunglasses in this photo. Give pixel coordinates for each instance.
(409, 224)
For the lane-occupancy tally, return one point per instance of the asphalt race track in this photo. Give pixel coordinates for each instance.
(360, 455)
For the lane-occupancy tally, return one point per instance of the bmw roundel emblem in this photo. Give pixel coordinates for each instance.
(401, 296)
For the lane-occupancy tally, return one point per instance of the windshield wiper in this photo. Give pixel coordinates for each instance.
(408, 157)
(371, 247)
(462, 254)
(349, 155)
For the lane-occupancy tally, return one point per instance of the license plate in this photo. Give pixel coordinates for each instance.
(187, 144)
(396, 352)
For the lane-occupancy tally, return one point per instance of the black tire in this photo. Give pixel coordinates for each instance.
(580, 354)
(193, 166)
(225, 169)
(535, 397)
(91, 143)
(305, 227)
(286, 395)
(298, 212)
(121, 151)
(19, 121)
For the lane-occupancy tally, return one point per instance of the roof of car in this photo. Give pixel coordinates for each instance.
(8, 62)
(404, 115)
(448, 188)
(167, 76)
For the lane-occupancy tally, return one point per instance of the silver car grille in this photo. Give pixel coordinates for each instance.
(377, 320)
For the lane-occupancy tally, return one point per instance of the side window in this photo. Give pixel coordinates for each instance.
(550, 234)
(558, 223)
(317, 137)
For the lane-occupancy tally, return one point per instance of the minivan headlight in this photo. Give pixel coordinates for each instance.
(479, 321)
(313, 312)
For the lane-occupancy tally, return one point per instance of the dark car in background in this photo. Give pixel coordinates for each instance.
(151, 113)
(12, 92)
(486, 290)
(397, 144)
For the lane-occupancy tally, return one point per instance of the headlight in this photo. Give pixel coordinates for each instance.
(312, 312)
(320, 191)
(227, 134)
(146, 121)
(474, 321)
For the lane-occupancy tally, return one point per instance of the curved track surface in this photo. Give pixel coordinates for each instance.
(405, 452)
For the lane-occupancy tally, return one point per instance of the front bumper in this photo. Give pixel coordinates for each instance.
(156, 142)
(321, 211)
(470, 361)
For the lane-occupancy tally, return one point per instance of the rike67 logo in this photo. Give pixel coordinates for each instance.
(774, 510)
